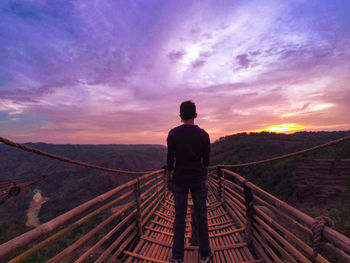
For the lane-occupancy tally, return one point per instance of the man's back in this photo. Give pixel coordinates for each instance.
(189, 146)
(189, 149)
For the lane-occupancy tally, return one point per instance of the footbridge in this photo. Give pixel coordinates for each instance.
(134, 223)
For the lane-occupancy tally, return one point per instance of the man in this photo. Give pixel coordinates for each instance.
(189, 148)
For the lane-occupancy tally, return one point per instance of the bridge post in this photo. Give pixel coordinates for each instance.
(158, 190)
(165, 183)
(138, 204)
(221, 189)
(248, 200)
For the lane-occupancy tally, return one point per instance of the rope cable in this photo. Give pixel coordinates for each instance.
(12, 187)
(65, 159)
(343, 139)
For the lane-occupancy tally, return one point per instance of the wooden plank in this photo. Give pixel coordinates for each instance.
(143, 257)
(188, 247)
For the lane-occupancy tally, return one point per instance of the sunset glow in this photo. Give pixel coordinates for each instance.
(109, 71)
(286, 127)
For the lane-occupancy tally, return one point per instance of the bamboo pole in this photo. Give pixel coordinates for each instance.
(58, 258)
(138, 213)
(91, 250)
(266, 246)
(110, 249)
(229, 189)
(234, 216)
(240, 205)
(248, 201)
(27, 238)
(329, 234)
(239, 211)
(142, 196)
(285, 243)
(273, 242)
(138, 256)
(341, 255)
(286, 217)
(142, 186)
(150, 213)
(234, 188)
(121, 248)
(220, 190)
(143, 204)
(51, 239)
(291, 236)
(260, 251)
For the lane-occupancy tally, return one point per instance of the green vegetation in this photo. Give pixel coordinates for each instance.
(69, 185)
(279, 177)
(334, 213)
(37, 259)
(72, 185)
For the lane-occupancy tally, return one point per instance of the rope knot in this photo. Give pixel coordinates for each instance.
(14, 190)
(245, 182)
(317, 228)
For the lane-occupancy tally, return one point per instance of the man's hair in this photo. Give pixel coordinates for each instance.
(188, 110)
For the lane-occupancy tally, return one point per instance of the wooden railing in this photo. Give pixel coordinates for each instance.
(276, 231)
(136, 199)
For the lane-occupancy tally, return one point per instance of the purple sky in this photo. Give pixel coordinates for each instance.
(116, 71)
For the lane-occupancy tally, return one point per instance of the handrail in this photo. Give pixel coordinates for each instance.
(264, 228)
(82, 240)
(331, 235)
(25, 239)
(268, 234)
(65, 159)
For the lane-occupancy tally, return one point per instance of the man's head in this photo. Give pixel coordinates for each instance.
(188, 110)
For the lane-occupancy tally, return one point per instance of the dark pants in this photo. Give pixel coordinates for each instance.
(199, 192)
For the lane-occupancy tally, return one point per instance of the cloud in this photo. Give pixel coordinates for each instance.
(175, 55)
(243, 61)
(198, 63)
(115, 71)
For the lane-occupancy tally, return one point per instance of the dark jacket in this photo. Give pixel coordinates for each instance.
(188, 153)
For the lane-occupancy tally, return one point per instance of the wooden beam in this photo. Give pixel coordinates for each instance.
(143, 257)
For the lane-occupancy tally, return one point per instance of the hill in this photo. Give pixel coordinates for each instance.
(69, 185)
(316, 183)
(244, 147)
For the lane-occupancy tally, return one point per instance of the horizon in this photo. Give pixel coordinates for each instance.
(164, 145)
(115, 72)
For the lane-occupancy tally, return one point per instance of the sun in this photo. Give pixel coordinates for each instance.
(286, 127)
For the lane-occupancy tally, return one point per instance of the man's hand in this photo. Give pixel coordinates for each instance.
(206, 169)
(170, 187)
(169, 181)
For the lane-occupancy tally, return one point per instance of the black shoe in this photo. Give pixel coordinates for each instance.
(173, 260)
(207, 258)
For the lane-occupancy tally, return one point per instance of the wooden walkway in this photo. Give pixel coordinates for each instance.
(246, 223)
(226, 238)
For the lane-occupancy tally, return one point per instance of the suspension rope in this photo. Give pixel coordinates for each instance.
(6, 184)
(317, 228)
(64, 159)
(12, 187)
(22, 180)
(343, 139)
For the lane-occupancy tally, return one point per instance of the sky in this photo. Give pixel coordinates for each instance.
(116, 71)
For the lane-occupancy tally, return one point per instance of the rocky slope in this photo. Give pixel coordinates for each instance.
(320, 179)
(69, 185)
